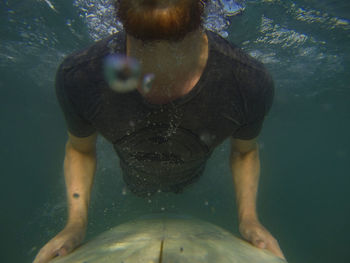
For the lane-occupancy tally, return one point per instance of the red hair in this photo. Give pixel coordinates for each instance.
(151, 20)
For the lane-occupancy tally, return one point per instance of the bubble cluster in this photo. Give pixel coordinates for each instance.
(121, 73)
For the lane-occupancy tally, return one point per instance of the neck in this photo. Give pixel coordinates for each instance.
(177, 65)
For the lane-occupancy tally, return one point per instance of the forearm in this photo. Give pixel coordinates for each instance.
(245, 171)
(79, 169)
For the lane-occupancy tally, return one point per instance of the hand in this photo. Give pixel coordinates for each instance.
(62, 244)
(259, 236)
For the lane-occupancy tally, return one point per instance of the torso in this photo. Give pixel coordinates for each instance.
(163, 144)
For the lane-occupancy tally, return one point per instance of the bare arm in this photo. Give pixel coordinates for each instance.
(245, 165)
(79, 169)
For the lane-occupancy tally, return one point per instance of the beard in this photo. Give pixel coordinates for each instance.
(155, 20)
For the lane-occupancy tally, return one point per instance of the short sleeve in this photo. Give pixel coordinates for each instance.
(257, 104)
(77, 125)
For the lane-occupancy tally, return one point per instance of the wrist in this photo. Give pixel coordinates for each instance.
(77, 220)
(247, 216)
(80, 224)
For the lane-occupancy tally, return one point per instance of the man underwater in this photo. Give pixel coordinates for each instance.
(203, 90)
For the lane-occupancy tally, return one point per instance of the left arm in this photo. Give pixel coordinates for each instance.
(245, 166)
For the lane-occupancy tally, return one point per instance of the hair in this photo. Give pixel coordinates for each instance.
(151, 20)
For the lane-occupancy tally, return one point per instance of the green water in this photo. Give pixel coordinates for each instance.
(305, 148)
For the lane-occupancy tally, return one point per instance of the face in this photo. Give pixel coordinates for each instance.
(151, 20)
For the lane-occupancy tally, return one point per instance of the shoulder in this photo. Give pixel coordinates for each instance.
(241, 64)
(83, 69)
(88, 60)
(250, 77)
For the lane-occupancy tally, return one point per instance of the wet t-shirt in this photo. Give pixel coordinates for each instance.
(165, 147)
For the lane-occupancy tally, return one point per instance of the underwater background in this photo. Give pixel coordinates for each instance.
(305, 147)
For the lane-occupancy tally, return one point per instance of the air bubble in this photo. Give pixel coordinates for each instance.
(124, 191)
(207, 138)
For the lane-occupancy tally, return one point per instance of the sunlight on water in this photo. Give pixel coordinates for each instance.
(299, 42)
(272, 39)
(100, 16)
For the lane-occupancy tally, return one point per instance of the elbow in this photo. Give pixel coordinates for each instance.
(245, 154)
(72, 149)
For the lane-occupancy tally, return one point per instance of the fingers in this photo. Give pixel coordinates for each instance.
(274, 247)
(269, 243)
(62, 244)
(46, 253)
(44, 256)
(64, 250)
(255, 236)
(260, 237)
(265, 241)
(258, 242)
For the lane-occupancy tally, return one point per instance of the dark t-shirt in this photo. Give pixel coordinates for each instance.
(165, 146)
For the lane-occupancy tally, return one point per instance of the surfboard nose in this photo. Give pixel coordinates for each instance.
(168, 240)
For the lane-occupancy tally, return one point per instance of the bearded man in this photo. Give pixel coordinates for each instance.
(204, 91)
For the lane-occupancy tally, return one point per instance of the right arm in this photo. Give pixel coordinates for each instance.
(79, 170)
